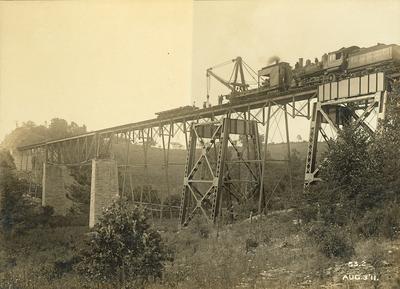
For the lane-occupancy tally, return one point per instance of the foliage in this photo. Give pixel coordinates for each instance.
(386, 149)
(354, 178)
(29, 132)
(350, 170)
(361, 187)
(43, 256)
(381, 222)
(79, 192)
(123, 246)
(332, 241)
(172, 203)
(18, 210)
(200, 227)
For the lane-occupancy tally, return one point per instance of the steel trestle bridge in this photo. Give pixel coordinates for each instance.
(210, 183)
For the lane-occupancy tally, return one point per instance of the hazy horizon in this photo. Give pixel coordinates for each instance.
(107, 63)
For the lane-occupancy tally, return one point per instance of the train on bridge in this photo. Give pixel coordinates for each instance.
(280, 77)
(350, 85)
(343, 63)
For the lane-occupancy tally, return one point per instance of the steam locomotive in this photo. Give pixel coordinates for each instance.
(333, 66)
(345, 62)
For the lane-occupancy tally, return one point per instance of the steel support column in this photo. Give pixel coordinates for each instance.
(218, 186)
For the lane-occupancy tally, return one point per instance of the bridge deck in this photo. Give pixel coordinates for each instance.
(254, 99)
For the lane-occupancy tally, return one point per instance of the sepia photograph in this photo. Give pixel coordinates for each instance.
(199, 144)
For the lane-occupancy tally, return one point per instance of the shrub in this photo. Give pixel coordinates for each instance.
(64, 266)
(390, 227)
(200, 227)
(369, 225)
(251, 244)
(19, 211)
(361, 180)
(380, 222)
(331, 241)
(123, 247)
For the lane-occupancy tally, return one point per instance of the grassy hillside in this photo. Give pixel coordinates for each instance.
(273, 252)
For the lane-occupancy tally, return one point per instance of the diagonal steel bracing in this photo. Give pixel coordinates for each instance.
(211, 191)
(352, 107)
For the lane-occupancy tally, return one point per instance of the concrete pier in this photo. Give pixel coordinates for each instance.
(55, 183)
(104, 187)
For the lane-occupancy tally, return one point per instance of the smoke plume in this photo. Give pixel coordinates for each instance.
(273, 59)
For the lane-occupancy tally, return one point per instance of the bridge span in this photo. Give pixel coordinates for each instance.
(211, 184)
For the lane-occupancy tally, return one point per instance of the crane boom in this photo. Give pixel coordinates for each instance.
(236, 85)
(220, 79)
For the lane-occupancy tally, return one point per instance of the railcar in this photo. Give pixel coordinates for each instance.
(335, 65)
(376, 55)
(176, 111)
(332, 66)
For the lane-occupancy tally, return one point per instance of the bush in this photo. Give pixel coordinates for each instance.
(383, 222)
(19, 211)
(332, 241)
(64, 266)
(123, 247)
(391, 222)
(369, 225)
(200, 227)
(251, 244)
(361, 181)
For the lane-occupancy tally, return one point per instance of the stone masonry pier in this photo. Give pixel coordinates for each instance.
(55, 183)
(104, 187)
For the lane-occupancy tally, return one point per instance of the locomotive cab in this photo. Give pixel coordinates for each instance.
(275, 76)
(337, 59)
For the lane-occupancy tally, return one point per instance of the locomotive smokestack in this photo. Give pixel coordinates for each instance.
(300, 62)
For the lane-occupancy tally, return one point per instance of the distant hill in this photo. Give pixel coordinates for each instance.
(29, 132)
(136, 174)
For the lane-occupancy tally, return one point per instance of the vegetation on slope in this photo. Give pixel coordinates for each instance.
(343, 232)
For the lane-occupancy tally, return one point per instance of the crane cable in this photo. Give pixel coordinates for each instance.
(248, 66)
(245, 67)
(222, 64)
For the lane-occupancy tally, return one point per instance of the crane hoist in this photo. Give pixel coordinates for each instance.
(236, 83)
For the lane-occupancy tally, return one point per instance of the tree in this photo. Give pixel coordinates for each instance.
(386, 146)
(8, 195)
(58, 128)
(18, 210)
(123, 247)
(349, 172)
(361, 176)
(30, 133)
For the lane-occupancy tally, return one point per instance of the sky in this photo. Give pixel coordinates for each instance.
(106, 63)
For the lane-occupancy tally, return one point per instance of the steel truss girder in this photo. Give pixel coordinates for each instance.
(347, 113)
(206, 192)
(257, 100)
(81, 150)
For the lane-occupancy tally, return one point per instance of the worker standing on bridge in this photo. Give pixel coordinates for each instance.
(220, 99)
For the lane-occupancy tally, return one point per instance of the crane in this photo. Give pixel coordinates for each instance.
(236, 83)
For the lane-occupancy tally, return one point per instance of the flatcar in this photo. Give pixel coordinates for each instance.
(176, 111)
